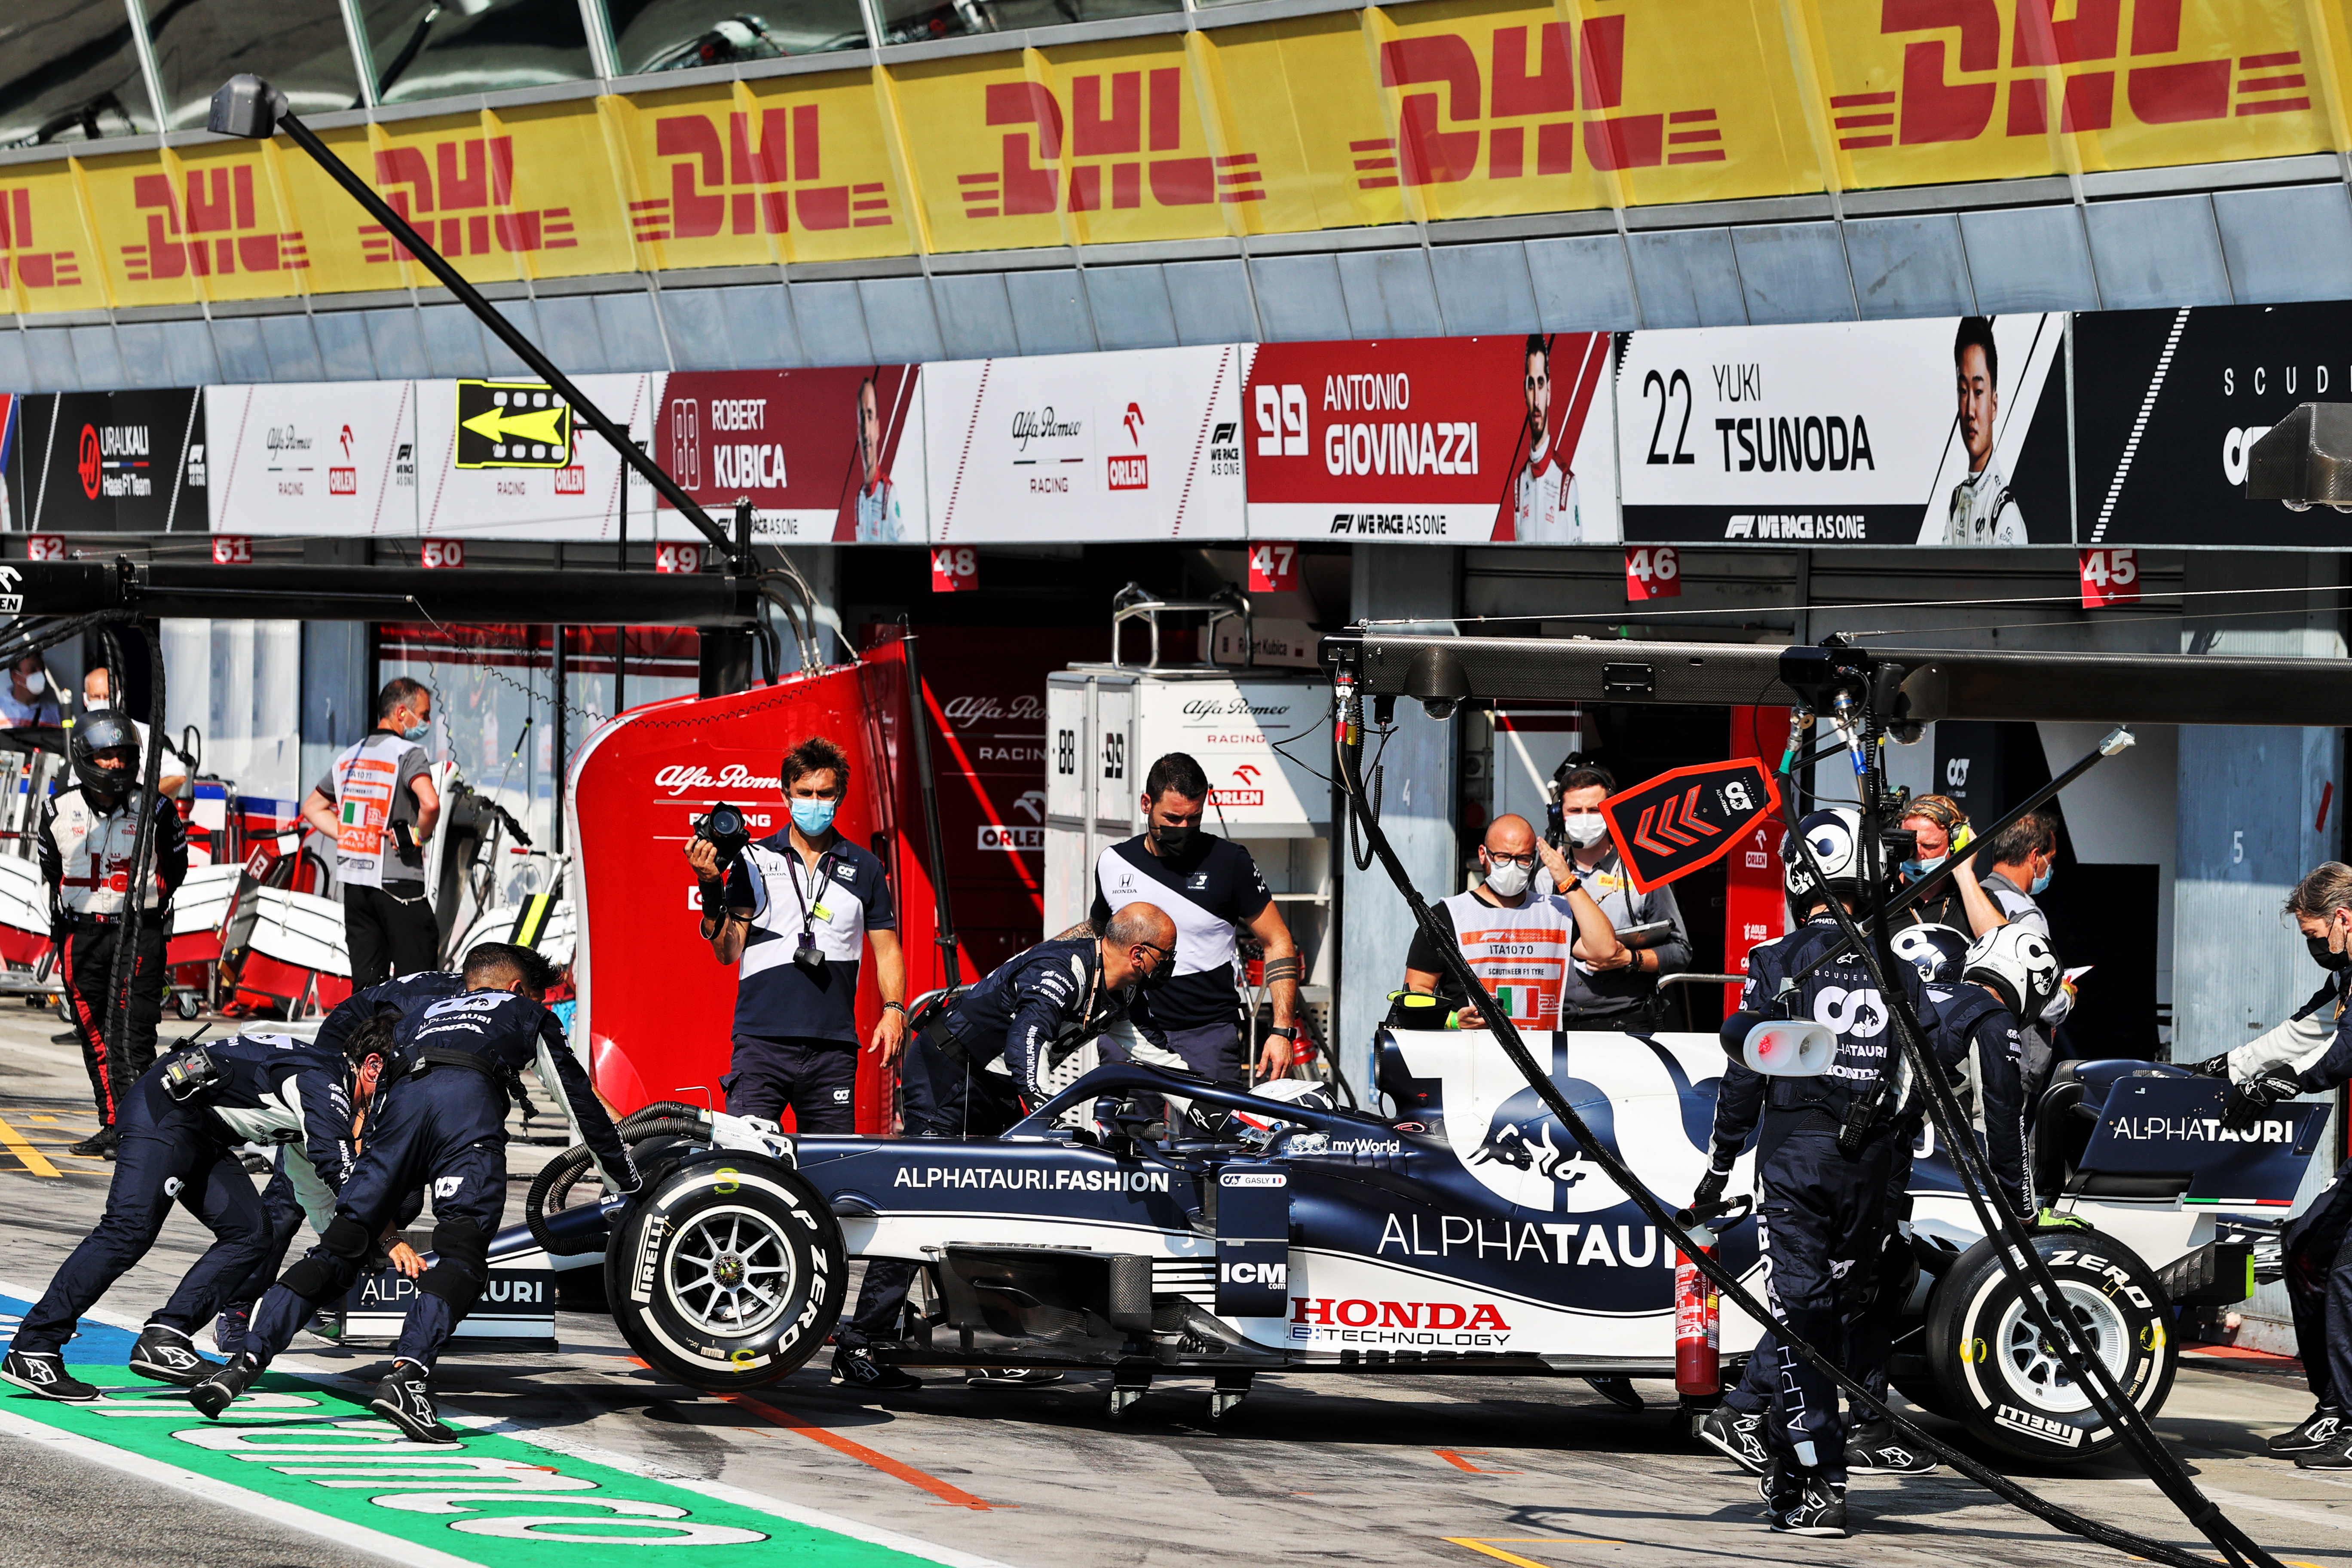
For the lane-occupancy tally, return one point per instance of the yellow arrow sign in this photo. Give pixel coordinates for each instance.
(544, 425)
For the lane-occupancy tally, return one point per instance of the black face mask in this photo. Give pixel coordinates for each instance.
(1160, 974)
(1173, 838)
(2331, 962)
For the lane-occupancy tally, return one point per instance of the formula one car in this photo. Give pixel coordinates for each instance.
(1465, 1233)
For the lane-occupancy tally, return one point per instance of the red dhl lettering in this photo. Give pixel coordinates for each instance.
(1360, 1314)
(466, 173)
(19, 262)
(708, 186)
(1020, 185)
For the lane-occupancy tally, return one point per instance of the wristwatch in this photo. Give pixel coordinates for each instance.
(1287, 1031)
(900, 1005)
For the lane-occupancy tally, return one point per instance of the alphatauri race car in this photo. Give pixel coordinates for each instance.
(1465, 1231)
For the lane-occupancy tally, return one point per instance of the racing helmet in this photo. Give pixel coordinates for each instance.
(1938, 952)
(105, 730)
(1834, 835)
(1249, 1125)
(2016, 962)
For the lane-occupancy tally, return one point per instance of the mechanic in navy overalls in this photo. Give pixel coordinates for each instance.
(1821, 1218)
(443, 1126)
(1979, 991)
(181, 1124)
(288, 1199)
(798, 909)
(2311, 1053)
(1008, 1039)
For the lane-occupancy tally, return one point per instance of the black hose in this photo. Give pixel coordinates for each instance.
(1728, 1284)
(555, 1180)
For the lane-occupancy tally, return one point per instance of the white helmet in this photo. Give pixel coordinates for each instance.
(1834, 835)
(2016, 962)
(1253, 1126)
(1938, 952)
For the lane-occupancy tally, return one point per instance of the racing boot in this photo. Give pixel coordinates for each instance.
(403, 1399)
(1739, 1437)
(218, 1392)
(167, 1355)
(2323, 1428)
(1874, 1449)
(1782, 1487)
(1617, 1391)
(43, 1373)
(853, 1366)
(1819, 1509)
(98, 1145)
(2336, 1456)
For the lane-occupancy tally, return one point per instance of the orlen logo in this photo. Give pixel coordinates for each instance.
(342, 481)
(1130, 473)
(1396, 1314)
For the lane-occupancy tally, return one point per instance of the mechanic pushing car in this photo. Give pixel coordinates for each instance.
(87, 836)
(287, 1199)
(2309, 1053)
(443, 1126)
(1979, 991)
(1821, 1216)
(1013, 1037)
(182, 1123)
(1208, 886)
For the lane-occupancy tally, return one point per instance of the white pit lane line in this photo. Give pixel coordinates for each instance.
(341, 1531)
(425, 1557)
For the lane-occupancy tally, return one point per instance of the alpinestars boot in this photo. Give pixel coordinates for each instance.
(1740, 1437)
(167, 1355)
(218, 1392)
(404, 1399)
(2323, 1428)
(43, 1373)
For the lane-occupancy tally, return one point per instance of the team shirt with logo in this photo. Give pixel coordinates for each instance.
(1589, 990)
(1544, 501)
(1983, 512)
(775, 998)
(1211, 888)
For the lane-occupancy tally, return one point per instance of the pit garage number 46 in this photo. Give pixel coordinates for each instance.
(1652, 572)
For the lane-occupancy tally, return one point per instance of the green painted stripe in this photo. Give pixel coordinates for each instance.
(491, 1499)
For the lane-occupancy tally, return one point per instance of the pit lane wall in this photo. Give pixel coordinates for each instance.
(2101, 429)
(1446, 109)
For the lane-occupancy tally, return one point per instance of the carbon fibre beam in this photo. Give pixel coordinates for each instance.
(2090, 687)
(267, 591)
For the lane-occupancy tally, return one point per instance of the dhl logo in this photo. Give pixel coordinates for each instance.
(735, 188)
(218, 219)
(19, 262)
(1938, 102)
(1586, 73)
(467, 191)
(1120, 133)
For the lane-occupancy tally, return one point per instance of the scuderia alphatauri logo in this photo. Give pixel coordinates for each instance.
(2197, 1130)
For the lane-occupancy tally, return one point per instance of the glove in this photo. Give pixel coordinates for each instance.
(2051, 1219)
(2249, 1100)
(714, 901)
(1710, 1187)
(2212, 1067)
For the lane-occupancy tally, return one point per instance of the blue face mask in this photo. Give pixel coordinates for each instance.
(416, 731)
(812, 816)
(1914, 869)
(2040, 883)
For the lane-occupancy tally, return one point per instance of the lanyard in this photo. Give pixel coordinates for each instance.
(813, 905)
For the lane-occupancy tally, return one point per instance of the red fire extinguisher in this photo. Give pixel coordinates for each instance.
(1699, 1318)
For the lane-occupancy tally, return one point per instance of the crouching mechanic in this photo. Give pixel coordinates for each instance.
(1980, 992)
(1822, 1219)
(443, 1127)
(289, 1200)
(2309, 1053)
(1003, 1041)
(182, 1123)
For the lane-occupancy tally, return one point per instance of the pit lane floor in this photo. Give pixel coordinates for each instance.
(1416, 1470)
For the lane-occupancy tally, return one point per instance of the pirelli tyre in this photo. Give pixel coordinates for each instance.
(728, 1272)
(1994, 1372)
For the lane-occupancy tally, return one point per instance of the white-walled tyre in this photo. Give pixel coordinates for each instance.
(727, 1273)
(1996, 1370)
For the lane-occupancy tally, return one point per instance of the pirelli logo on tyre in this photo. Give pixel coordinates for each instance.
(646, 1268)
(2047, 1429)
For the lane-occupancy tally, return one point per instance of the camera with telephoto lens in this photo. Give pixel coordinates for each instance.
(724, 829)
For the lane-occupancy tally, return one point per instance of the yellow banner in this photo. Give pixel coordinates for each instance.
(1434, 110)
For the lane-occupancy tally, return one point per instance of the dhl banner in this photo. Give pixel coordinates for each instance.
(1440, 110)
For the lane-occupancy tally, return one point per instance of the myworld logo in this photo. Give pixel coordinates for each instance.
(679, 778)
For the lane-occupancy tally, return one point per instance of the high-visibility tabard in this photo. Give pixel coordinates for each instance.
(365, 776)
(1522, 954)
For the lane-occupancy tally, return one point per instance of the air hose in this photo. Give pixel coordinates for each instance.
(553, 1185)
(1348, 746)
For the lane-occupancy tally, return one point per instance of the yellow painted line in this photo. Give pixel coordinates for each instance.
(40, 1116)
(1486, 1546)
(35, 1160)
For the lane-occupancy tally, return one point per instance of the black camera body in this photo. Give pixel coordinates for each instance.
(723, 829)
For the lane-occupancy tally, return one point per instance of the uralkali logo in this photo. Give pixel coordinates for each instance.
(678, 779)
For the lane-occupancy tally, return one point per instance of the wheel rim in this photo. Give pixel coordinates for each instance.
(731, 1272)
(2033, 1371)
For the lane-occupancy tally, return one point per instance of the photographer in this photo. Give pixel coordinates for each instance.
(795, 911)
